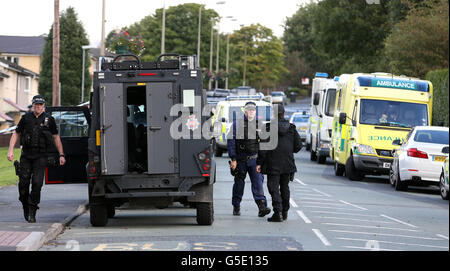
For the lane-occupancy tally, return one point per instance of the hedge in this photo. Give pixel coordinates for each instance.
(439, 78)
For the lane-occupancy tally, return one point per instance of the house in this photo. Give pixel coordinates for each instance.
(18, 85)
(23, 51)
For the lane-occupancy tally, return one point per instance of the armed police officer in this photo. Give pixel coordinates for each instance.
(243, 147)
(279, 165)
(37, 131)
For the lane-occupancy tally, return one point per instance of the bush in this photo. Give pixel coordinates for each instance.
(439, 78)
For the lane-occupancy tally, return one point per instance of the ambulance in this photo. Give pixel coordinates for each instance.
(319, 131)
(371, 111)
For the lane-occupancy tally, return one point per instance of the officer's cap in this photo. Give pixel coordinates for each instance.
(38, 99)
(250, 106)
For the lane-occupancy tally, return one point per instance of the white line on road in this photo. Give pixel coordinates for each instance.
(340, 213)
(442, 236)
(370, 227)
(300, 182)
(328, 203)
(387, 234)
(367, 248)
(293, 203)
(303, 216)
(320, 192)
(354, 219)
(388, 242)
(321, 237)
(309, 195)
(356, 206)
(399, 221)
(319, 199)
(334, 208)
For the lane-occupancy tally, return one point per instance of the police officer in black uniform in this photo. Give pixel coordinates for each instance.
(37, 131)
(279, 165)
(243, 146)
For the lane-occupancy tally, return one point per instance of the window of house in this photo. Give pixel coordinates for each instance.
(27, 84)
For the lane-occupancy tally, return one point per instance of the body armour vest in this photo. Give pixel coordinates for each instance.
(246, 144)
(36, 135)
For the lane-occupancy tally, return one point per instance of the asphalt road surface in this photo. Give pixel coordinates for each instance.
(327, 213)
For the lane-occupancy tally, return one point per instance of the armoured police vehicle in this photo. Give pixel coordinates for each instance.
(127, 146)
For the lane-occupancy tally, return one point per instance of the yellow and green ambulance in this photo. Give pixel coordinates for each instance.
(371, 111)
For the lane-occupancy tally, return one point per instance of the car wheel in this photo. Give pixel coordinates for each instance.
(321, 159)
(339, 169)
(399, 184)
(444, 192)
(205, 213)
(392, 176)
(98, 215)
(351, 172)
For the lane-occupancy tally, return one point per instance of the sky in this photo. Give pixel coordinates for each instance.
(35, 17)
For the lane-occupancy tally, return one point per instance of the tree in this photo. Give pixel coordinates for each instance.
(420, 43)
(72, 38)
(265, 58)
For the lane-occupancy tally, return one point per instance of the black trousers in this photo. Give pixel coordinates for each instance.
(32, 171)
(278, 185)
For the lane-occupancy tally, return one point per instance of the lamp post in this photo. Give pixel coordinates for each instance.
(83, 48)
(163, 34)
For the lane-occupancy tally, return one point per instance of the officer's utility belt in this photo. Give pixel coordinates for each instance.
(248, 158)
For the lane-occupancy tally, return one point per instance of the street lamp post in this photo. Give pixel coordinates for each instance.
(198, 35)
(83, 48)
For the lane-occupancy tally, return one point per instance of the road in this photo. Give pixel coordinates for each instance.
(328, 213)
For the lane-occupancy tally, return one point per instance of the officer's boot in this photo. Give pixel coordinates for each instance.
(285, 215)
(236, 210)
(263, 209)
(276, 217)
(32, 217)
(26, 212)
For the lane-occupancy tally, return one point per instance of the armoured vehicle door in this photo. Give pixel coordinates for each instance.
(73, 128)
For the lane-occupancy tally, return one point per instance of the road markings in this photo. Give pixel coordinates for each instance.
(354, 219)
(309, 195)
(304, 217)
(442, 236)
(320, 192)
(356, 206)
(399, 221)
(340, 213)
(388, 242)
(327, 203)
(368, 248)
(387, 234)
(321, 237)
(369, 227)
(300, 182)
(319, 199)
(293, 203)
(334, 208)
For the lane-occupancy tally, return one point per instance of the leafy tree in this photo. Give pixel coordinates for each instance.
(72, 38)
(420, 43)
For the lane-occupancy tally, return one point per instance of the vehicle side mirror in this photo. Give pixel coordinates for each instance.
(316, 99)
(397, 142)
(342, 118)
(445, 149)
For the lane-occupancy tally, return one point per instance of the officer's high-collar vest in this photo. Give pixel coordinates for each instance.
(36, 135)
(245, 144)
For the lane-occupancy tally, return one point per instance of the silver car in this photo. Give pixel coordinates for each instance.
(300, 119)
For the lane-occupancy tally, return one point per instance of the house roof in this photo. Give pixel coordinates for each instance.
(22, 45)
(16, 106)
(3, 75)
(17, 68)
(4, 117)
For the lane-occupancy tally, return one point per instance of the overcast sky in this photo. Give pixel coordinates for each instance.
(34, 17)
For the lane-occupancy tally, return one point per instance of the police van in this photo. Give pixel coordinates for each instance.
(233, 108)
(318, 135)
(128, 147)
(371, 111)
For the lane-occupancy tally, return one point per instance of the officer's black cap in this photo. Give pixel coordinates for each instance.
(250, 105)
(38, 99)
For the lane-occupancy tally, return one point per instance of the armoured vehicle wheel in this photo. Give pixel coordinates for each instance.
(205, 213)
(351, 172)
(99, 215)
(339, 169)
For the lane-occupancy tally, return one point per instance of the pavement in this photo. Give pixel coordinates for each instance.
(60, 205)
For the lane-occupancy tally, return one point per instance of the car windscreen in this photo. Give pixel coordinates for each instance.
(276, 94)
(300, 119)
(432, 136)
(263, 113)
(330, 102)
(393, 113)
